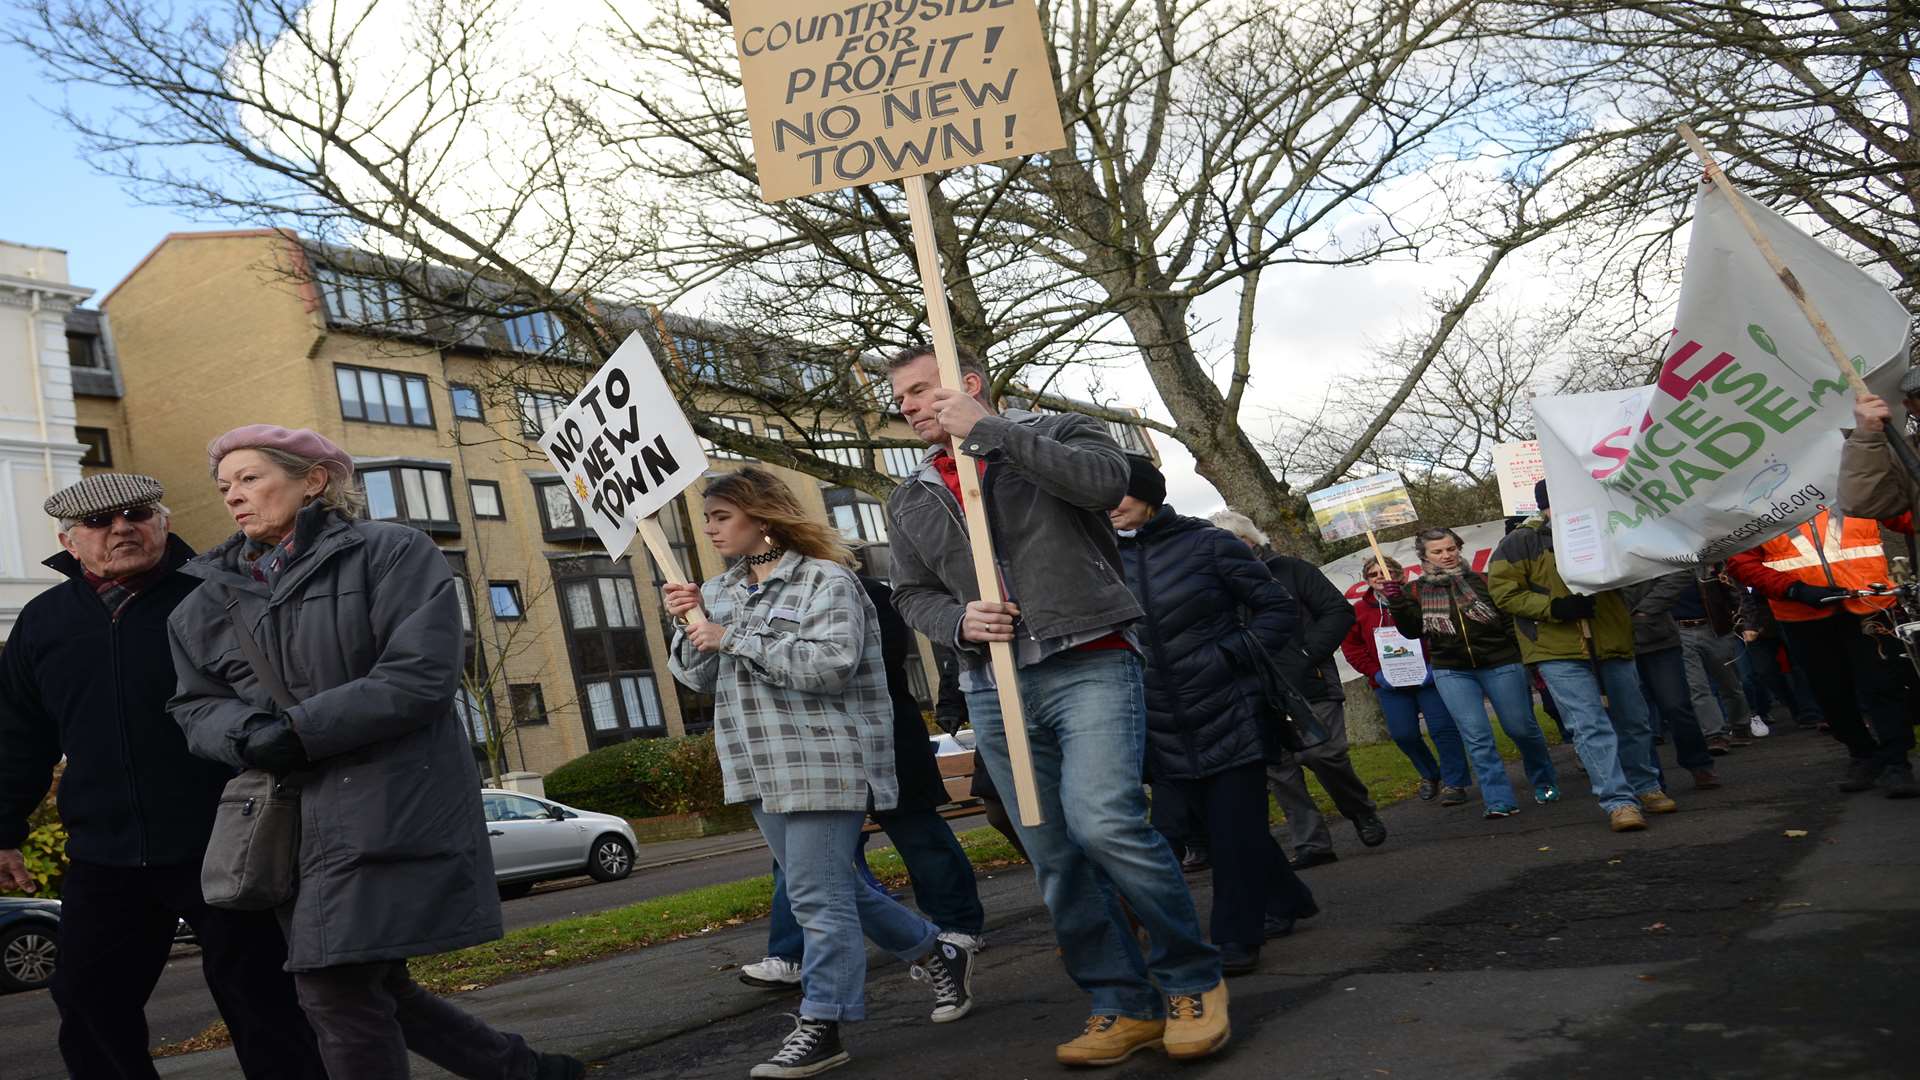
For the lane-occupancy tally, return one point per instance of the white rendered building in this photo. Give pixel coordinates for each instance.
(38, 450)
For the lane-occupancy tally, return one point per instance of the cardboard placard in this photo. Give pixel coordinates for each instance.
(841, 94)
(624, 446)
(1361, 506)
(1403, 662)
(1518, 465)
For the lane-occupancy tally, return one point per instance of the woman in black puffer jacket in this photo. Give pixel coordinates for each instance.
(1209, 603)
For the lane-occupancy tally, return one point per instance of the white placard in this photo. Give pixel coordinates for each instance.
(1518, 467)
(624, 446)
(1402, 661)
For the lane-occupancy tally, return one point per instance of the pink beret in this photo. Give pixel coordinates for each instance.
(305, 442)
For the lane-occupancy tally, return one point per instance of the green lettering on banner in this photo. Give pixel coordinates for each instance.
(1734, 381)
(1713, 448)
(1775, 415)
(1617, 520)
(1685, 473)
(1647, 437)
(1658, 497)
(1688, 416)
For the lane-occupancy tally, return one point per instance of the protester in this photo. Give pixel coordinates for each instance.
(1450, 610)
(1785, 684)
(361, 622)
(86, 674)
(1845, 643)
(1583, 646)
(1325, 617)
(943, 882)
(1403, 706)
(1873, 482)
(803, 723)
(1204, 703)
(1661, 660)
(1048, 482)
(1704, 613)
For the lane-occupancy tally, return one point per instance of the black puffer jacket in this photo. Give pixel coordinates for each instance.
(1203, 696)
(913, 760)
(1325, 618)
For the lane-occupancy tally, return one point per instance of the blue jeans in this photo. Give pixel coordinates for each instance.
(943, 883)
(1087, 730)
(836, 910)
(1615, 746)
(1663, 674)
(1508, 687)
(1402, 706)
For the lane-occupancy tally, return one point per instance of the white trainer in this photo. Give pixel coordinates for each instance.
(1760, 728)
(971, 942)
(773, 973)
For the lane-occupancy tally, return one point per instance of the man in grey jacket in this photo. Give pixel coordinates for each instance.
(1047, 483)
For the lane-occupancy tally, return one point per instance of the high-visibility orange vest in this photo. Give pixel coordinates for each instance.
(1832, 549)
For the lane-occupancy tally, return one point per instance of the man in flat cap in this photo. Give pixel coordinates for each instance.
(87, 673)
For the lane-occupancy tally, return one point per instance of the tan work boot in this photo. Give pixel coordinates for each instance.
(1197, 1026)
(1110, 1040)
(1658, 802)
(1626, 819)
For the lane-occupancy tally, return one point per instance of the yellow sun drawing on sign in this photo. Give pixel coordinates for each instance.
(580, 485)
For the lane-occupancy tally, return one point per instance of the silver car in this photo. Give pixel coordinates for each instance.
(539, 839)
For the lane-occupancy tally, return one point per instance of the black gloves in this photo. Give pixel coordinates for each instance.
(268, 742)
(1571, 608)
(1815, 595)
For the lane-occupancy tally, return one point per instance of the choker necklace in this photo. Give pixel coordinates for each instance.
(770, 555)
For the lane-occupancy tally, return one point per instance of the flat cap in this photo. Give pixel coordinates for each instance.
(102, 494)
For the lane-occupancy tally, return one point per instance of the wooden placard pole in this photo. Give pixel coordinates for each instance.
(1005, 674)
(652, 535)
(1379, 557)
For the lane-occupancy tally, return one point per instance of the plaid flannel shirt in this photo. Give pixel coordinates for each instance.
(802, 718)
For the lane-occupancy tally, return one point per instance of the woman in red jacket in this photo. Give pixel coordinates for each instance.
(1403, 700)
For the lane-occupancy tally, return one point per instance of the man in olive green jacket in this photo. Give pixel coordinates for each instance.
(1583, 647)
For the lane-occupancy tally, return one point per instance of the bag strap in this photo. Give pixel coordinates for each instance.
(249, 647)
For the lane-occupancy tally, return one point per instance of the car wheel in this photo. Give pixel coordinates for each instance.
(611, 860)
(514, 890)
(27, 955)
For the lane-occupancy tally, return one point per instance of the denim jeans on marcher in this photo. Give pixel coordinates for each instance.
(1402, 707)
(1663, 673)
(1511, 692)
(1086, 728)
(1616, 748)
(837, 912)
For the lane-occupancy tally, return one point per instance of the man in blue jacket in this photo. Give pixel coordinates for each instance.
(1047, 482)
(87, 673)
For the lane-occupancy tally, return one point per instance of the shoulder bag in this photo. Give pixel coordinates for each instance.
(255, 848)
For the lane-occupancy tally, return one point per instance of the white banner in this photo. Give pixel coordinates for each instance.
(1738, 438)
(624, 446)
(1477, 544)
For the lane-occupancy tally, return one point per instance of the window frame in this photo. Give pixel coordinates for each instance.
(741, 424)
(380, 375)
(454, 390)
(548, 529)
(589, 569)
(530, 428)
(513, 591)
(539, 322)
(98, 455)
(910, 457)
(399, 310)
(499, 501)
(537, 716)
(397, 488)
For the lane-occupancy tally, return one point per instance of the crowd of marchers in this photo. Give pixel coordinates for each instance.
(1173, 673)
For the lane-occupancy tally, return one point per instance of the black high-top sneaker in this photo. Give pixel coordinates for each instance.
(949, 967)
(811, 1048)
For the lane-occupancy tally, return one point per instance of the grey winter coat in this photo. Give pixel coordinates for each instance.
(1651, 603)
(364, 626)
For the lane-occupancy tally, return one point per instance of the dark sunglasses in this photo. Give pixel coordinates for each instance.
(135, 514)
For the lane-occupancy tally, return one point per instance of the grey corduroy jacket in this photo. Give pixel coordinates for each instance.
(1049, 483)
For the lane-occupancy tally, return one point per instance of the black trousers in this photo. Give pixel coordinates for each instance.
(369, 1015)
(1251, 878)
(1854, 673)
(116, 928)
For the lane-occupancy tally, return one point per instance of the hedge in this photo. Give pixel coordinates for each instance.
(643, 778)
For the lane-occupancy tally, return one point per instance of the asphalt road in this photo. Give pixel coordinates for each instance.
(181, 1007)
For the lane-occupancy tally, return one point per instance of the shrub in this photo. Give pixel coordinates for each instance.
(45, 851)
(643, 778)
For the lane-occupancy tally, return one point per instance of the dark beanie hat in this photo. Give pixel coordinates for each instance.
(1147, 483)
(1540, 494)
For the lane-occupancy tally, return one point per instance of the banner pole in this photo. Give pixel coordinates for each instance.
(1373, 543)
(1005, 673)
(1895, 441)
(655, 538)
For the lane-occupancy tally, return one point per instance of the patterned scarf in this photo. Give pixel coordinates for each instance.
(266, 561)
(1441, 591)
(117, 593)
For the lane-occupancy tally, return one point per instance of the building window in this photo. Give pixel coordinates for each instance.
(538, 411)
(418, 496)
(466, 402)
(383, 397)
(99, 453)
(1128, 436)
(530, 704)
(858, 515)
(472, 714)
(535, 332)
(486, 499)
(559, 515)
(84, 352)
(619, 696)
(902, 461)
(367, 301)
(505, 597)
(737, 423)
(699, 356)
(464, 591)
(776, 433)
(851, 456)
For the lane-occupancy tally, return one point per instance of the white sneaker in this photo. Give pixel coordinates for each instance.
(971, 942)
(773, 973)
(1760, 728)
